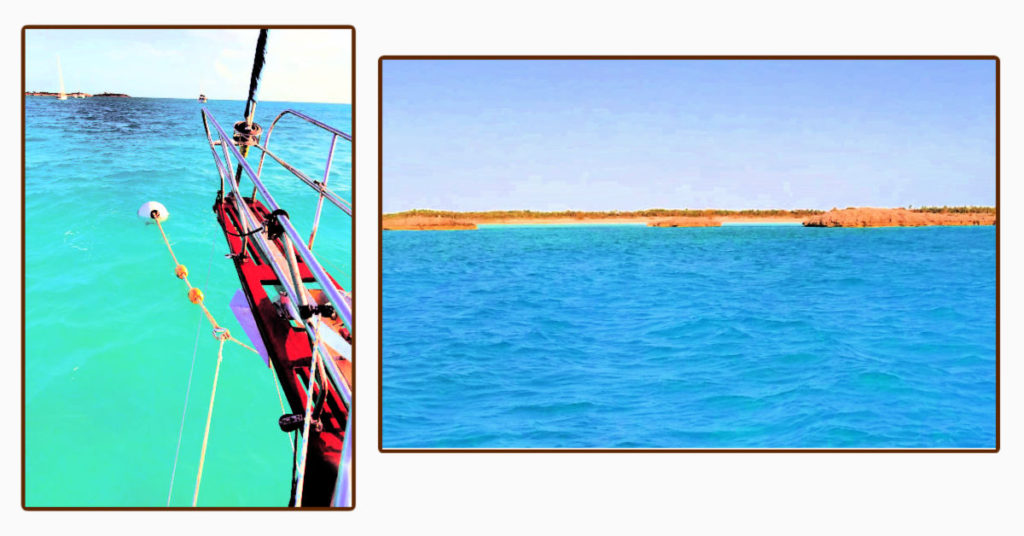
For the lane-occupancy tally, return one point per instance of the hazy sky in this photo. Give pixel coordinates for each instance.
(302, 65)
(635, 134)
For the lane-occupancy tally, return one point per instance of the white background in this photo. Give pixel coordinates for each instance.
(576, 493)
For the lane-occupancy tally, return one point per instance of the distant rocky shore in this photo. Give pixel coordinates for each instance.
(75, 95)
(428, 220)
(901, 217)
(448, 220)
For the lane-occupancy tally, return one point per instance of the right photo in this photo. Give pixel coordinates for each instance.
(689, 253)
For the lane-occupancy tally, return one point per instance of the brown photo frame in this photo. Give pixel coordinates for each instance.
(380, 234)
(24, 29)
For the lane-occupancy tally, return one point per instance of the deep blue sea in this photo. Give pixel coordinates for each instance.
(625, 336)
(109, 332)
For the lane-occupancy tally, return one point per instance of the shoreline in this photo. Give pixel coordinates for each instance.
(631, 221)
(468, 224)
(430, 220)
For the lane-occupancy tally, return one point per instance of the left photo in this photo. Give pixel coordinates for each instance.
(188, 266)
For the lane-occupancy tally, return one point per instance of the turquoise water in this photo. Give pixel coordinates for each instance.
(625, 336)
(109, 332)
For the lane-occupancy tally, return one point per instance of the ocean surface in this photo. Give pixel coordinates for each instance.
(109, 333)
(625, 336)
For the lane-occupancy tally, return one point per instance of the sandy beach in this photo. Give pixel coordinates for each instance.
(426, 223)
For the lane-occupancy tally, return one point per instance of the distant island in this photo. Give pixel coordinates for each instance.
(415, 222)
(901, 217)
(75, 95)
(440, 220)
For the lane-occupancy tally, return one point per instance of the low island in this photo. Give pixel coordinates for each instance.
(74, 94)
(902, 217)
(416, 222)
(439, 220)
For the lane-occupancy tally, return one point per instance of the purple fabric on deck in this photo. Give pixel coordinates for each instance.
(240, 306)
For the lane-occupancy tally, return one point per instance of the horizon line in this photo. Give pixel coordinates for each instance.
(908, 207)
(185, 98)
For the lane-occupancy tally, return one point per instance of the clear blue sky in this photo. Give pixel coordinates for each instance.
(635, 134)
(302, 65)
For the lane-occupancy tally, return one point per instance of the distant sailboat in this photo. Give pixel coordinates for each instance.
(60, 74)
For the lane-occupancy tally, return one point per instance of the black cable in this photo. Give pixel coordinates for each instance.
(242, 235)
(295, 460)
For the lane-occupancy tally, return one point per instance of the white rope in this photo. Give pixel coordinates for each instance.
(209, 418)
(280, 400)
(188, 389)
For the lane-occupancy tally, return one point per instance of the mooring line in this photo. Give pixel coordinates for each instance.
(195, 295)
(188, 389)
(209, 417)
(280, 399)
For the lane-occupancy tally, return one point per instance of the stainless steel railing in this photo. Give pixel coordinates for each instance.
(320, 187)
(301, 249)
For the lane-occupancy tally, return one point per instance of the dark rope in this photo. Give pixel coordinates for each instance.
(295, 460)
(241, 235)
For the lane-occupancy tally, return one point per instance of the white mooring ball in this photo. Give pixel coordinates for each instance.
(148, 207)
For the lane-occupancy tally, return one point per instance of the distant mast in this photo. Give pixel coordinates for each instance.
(60, 74)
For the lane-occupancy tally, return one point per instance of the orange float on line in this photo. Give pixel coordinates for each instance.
(181, 271)
(195, 296)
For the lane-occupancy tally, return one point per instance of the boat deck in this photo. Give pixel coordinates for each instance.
(289, 348)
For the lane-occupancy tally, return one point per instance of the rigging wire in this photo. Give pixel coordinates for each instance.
(188, 388)
(223, 336)
(280, 399)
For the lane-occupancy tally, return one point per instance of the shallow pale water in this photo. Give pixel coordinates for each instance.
(739, 336)
(109, 332)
